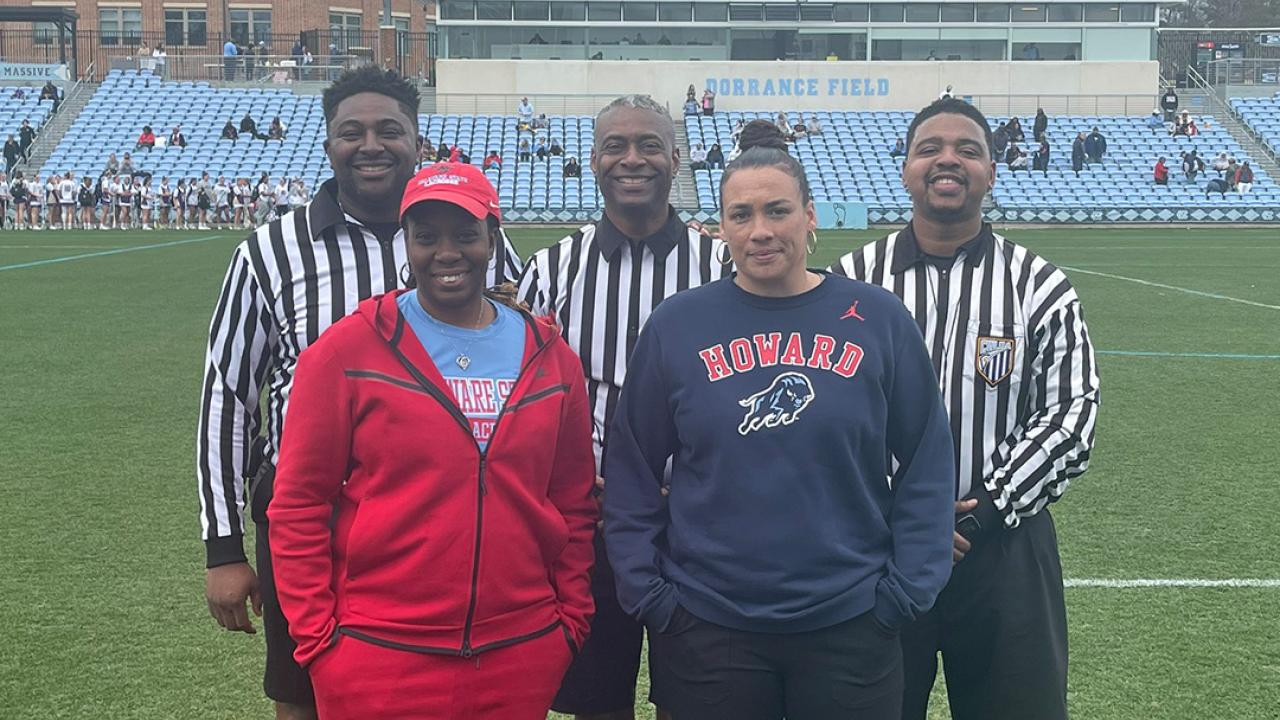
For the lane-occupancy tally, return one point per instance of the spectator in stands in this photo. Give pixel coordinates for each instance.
(1232, 169)
(1216, 185)
(126, 165)
(1244, 178)
(443, 152)
(1015, 158)
(12, 151)
(948, 93)
(276, 130)
(1154, 122)
(492, 160)
(1180, 125)
(307, 61)
(715, 157)
(1192, 165)
(540, 123)
(19, 93)
(1015, 130)
(147, 139)
(144, 57)
(691, 107)
(697, 157)
(50, 92)
(1040, 126)
(1220, 164)
(814, 127)
(113, 165)
(524, 114)
(556, 148)
(1190, 129)
(229, 132)
(249, 126)
(708, 102)
(176, 138)
(229, 53)
(159, 59)
(691, 93)
(1169, 102)
(899, 148)
(1095, 146)
(541, 150)
(572, 168)
(737, 131)
(1041, 160)
(26, 136)
(1077, 153)
(999, 141)
(523, 153)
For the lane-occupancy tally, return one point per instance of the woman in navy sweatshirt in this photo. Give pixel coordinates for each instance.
(809, 506)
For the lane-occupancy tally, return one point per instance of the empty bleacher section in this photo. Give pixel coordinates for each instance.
(850, 162)
(1263, 115)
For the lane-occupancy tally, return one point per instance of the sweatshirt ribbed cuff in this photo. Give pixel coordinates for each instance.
(224, 551)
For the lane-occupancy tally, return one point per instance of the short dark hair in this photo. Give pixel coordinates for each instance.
(763, 145)
(371, 78)
(952, 106)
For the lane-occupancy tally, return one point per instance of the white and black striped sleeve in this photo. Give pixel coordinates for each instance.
(533, 287)
(506, 265)
(1035, 463)
(242, 339)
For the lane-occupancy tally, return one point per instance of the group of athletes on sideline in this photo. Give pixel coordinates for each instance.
(120, 201)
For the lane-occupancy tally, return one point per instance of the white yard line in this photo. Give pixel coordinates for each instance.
(104, 253)
(1268, 583)
(1175, 288)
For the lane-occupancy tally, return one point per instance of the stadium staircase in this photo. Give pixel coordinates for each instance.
(684, 191)
(1203, 96)
(58, 125)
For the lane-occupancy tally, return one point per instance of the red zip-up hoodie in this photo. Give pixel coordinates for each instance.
(436, 546)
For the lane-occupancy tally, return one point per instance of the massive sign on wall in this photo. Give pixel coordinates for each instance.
(489, 85)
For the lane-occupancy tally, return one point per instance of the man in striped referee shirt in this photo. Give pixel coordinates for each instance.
(1012, 354)
(601, 282)
(287, 282)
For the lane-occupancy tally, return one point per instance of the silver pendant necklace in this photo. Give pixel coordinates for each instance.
(463, 360)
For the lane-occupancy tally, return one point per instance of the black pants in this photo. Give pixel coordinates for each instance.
(283, 680)
(1001, 624)
(602, 677)
(850, 671)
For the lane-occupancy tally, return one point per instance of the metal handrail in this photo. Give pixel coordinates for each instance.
(76, 89)
(1199, 81)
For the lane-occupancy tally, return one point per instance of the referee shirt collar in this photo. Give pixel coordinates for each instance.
(325, 212)
(611, 239)
(907, 252)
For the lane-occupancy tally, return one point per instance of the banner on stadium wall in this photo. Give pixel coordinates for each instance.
(32, 72)
(841, 215)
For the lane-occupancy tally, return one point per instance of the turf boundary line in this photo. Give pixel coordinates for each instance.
(1199, 293)
(1211, 356)
(1267, 583)
(104, 253)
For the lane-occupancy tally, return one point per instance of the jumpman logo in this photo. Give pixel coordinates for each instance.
(852, 312)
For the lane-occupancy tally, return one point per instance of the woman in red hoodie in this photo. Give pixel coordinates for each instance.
(432, 520)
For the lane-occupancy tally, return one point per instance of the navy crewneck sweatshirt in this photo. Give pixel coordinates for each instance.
(812, 477)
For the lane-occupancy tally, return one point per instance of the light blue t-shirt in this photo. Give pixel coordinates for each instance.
(483, 386)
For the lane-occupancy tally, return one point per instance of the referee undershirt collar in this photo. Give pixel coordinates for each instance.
(907, 252)
(611, 239)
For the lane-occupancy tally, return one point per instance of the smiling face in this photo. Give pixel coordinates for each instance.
(634, 159)
(372, 148)
(766, 224)
(948, 169)
(448, 250)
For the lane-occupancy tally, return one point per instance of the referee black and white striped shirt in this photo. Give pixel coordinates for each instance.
(1012, 353)
(601, 286)
(287, 282)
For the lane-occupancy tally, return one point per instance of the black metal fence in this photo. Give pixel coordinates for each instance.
(412, 54)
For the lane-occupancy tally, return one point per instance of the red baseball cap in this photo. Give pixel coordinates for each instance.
(460, 184)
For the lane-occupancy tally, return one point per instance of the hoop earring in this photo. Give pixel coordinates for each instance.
(406, 277)
(812, 245)
(723, 255)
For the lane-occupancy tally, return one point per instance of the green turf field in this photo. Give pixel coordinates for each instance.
(103, 611)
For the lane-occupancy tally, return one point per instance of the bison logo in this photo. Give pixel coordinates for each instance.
(778, 404)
